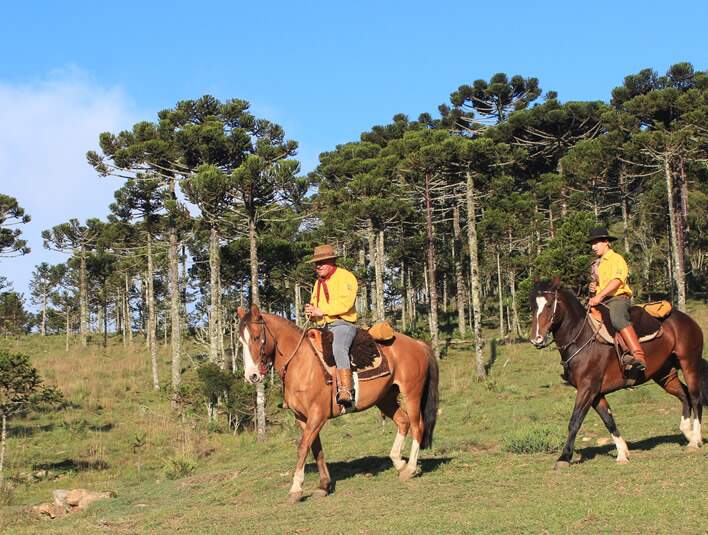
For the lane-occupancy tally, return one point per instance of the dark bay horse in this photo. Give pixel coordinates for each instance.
(272, 341)
(594, 369)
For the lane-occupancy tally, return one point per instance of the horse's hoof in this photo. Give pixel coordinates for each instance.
(320, 493)
(406, 474)
(294, 497)
(399, 468)
(560, 465)
(693, 446)
(623, 461)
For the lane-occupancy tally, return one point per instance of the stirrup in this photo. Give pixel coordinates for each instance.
(632, 363)
(344, 402)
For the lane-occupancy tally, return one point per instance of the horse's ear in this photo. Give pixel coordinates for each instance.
(255, 312)
(555, 283)
(241, 313)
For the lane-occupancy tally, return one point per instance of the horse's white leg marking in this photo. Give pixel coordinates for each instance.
(395, 454)
(298, 479)
(249, 367)
(696, 439)
(622, 449)
(540, 304)
(686, 428)
(413, 459)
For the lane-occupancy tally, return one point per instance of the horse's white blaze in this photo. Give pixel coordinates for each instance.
(395, 454)
(696, 439)
(622, 449)
(298, 479)
(249, 367)
(413, 459)
(540, 304)
(686, 428)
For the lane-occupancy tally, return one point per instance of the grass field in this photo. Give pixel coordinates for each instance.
(174, 476)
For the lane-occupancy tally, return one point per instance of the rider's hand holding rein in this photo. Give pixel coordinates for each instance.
(314, 312)
(607, 290)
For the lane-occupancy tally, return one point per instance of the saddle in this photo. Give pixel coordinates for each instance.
(647, 326)
(365, 356)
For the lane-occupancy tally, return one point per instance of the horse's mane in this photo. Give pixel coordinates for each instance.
(566, 295)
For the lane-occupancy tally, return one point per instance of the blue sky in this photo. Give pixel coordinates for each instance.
(325, 71)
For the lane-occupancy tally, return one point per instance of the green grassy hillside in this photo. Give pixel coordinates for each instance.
(173, 475)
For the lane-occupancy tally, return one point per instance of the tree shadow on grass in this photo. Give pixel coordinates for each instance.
(72, 465)
(16, 430)
(644, 445)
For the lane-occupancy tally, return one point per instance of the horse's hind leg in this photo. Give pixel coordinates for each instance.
(413, 398)
(669, 381)
(603, 409)
(691, 368)
(325, 480)
(390, 407)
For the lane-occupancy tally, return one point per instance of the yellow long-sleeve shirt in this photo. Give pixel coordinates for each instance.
(613, 266)
(342, 288)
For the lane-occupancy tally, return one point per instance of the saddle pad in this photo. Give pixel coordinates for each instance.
(366, 358)
(604, 336)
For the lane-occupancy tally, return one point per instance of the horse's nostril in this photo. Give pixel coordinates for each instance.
(254, 377)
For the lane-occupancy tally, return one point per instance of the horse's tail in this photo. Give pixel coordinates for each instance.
(704, 382)
(429, 401)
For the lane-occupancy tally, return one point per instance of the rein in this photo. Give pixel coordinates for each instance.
(564, 347)
(270, 362)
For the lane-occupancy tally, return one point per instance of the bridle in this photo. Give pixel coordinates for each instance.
(564, 347)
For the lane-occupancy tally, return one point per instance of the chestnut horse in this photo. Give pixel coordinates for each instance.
(594, 370)
(271, 341)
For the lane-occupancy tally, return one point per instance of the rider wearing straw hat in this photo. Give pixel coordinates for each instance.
(332, 304)
(611, 290)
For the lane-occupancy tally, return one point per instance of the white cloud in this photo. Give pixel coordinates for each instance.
(46, 128)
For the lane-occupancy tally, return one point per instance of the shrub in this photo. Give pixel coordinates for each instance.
(178, 467)
(533, 440)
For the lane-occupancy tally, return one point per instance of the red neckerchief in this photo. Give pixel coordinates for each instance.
(322, 283)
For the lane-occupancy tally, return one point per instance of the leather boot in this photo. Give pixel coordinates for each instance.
(639, 359)
(345, 394)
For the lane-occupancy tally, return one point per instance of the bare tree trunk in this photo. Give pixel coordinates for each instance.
(213, 294)
(128, 321)
(2, 447)
(677, 264)
(459, 276)
(298, 304)
(432, 285)
(404, 298)
(66, 345)
(83, 298)
(377, 293)
(43, 323)
(152, 320)
(256, 299)
(363, 297)
(474, 277)
(501, 298)
(515, 324)
(380, 267)
(175, 314)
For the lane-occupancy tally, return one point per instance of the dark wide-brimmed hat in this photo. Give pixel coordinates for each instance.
(599, 233)
(323, 252)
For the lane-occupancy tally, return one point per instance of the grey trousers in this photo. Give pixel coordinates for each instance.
(619, 311)
(343, 334)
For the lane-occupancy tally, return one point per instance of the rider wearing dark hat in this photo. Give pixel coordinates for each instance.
(611, 289)
(332, 304)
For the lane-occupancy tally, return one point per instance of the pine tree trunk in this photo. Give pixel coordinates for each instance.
(364, 289)
(256, 299)
(515, 325)
(432, 285)
(459, 276)
(2, 448)
(377, 293)
(474, 277)
(676, 252)
(83, 299)
(625, 208)
(404, 319)
(43, 324)
(298, 305)
(175, 313)
(152, 320)
(380, 267)
(213, 294)
(105, 317)
(128, 315)
(66, 347)
(564, 191)
(501, 298)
